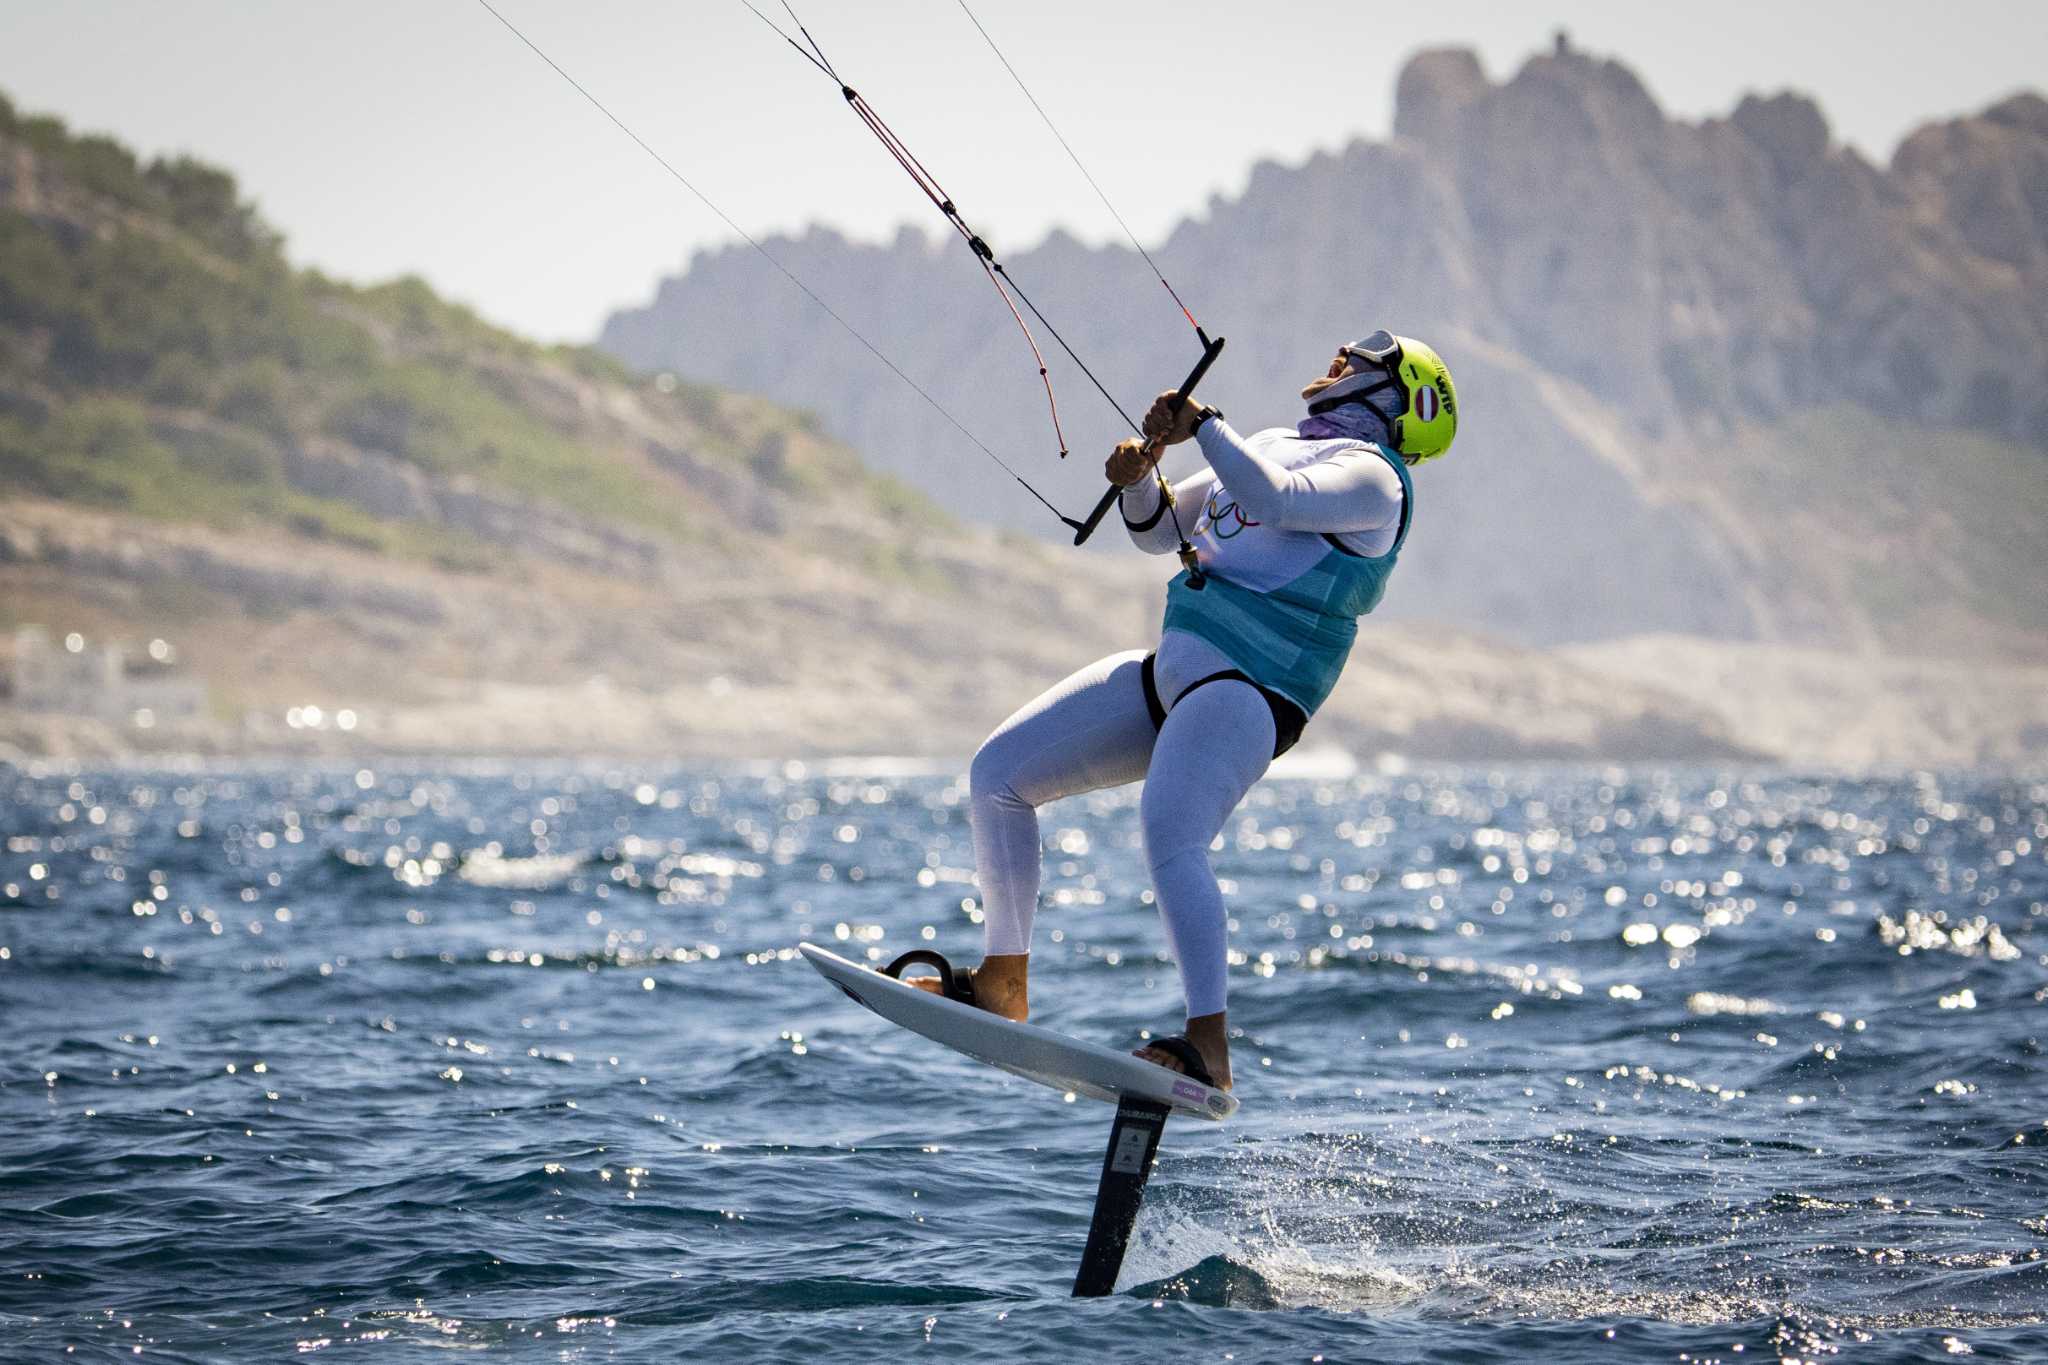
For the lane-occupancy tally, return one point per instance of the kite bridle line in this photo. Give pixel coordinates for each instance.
(1210, 349)
(1005, 285)
(775, 261)
(1075, 157)
(1004, 282)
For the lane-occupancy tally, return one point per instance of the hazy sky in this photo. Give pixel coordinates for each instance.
(387, 136)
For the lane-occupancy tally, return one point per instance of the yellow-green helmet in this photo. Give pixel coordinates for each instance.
(1425, 415)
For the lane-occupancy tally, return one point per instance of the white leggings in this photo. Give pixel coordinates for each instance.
(1093, 731)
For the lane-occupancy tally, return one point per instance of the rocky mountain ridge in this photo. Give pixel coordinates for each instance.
(1723, 379)
(1749, 265)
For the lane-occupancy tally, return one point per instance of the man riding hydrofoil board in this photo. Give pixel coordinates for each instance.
(1298, 531)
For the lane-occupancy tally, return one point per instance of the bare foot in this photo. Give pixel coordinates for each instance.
(1211, 1038)
(999, 984)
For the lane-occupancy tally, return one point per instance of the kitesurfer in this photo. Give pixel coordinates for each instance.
(1295, 531)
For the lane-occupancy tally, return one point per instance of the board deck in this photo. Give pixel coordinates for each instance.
(1026, 1050)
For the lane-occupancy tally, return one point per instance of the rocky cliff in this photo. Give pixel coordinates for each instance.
(1726, 379)
(1749, 267)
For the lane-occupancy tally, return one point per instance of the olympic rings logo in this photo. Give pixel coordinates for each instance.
(1224, 520)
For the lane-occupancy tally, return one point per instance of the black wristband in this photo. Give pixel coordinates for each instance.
(1203, 414)
(1149, 522)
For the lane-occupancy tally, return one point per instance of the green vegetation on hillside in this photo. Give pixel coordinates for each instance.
(198, 200)
(106, 451)
(159, 354)
(278, 356)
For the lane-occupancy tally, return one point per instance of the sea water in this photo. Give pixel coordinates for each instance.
(1544, 1063)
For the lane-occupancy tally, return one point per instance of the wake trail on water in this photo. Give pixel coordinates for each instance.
(1407, 1223)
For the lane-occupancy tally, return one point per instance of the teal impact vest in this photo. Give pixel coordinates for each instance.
(1294, 639)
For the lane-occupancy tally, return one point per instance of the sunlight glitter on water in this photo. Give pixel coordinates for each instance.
(1687, 1058)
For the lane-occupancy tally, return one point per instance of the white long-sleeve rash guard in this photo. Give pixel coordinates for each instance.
(1257, 517)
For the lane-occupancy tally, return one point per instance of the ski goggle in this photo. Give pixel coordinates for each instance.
(1382, 348)
(1381, 352)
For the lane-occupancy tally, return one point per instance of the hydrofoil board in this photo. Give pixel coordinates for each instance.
(1027, 1050)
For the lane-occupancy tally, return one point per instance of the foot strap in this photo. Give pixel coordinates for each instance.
(953, 986)
(1188, 1055)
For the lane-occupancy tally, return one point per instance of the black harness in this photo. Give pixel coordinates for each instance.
(1288, 719)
